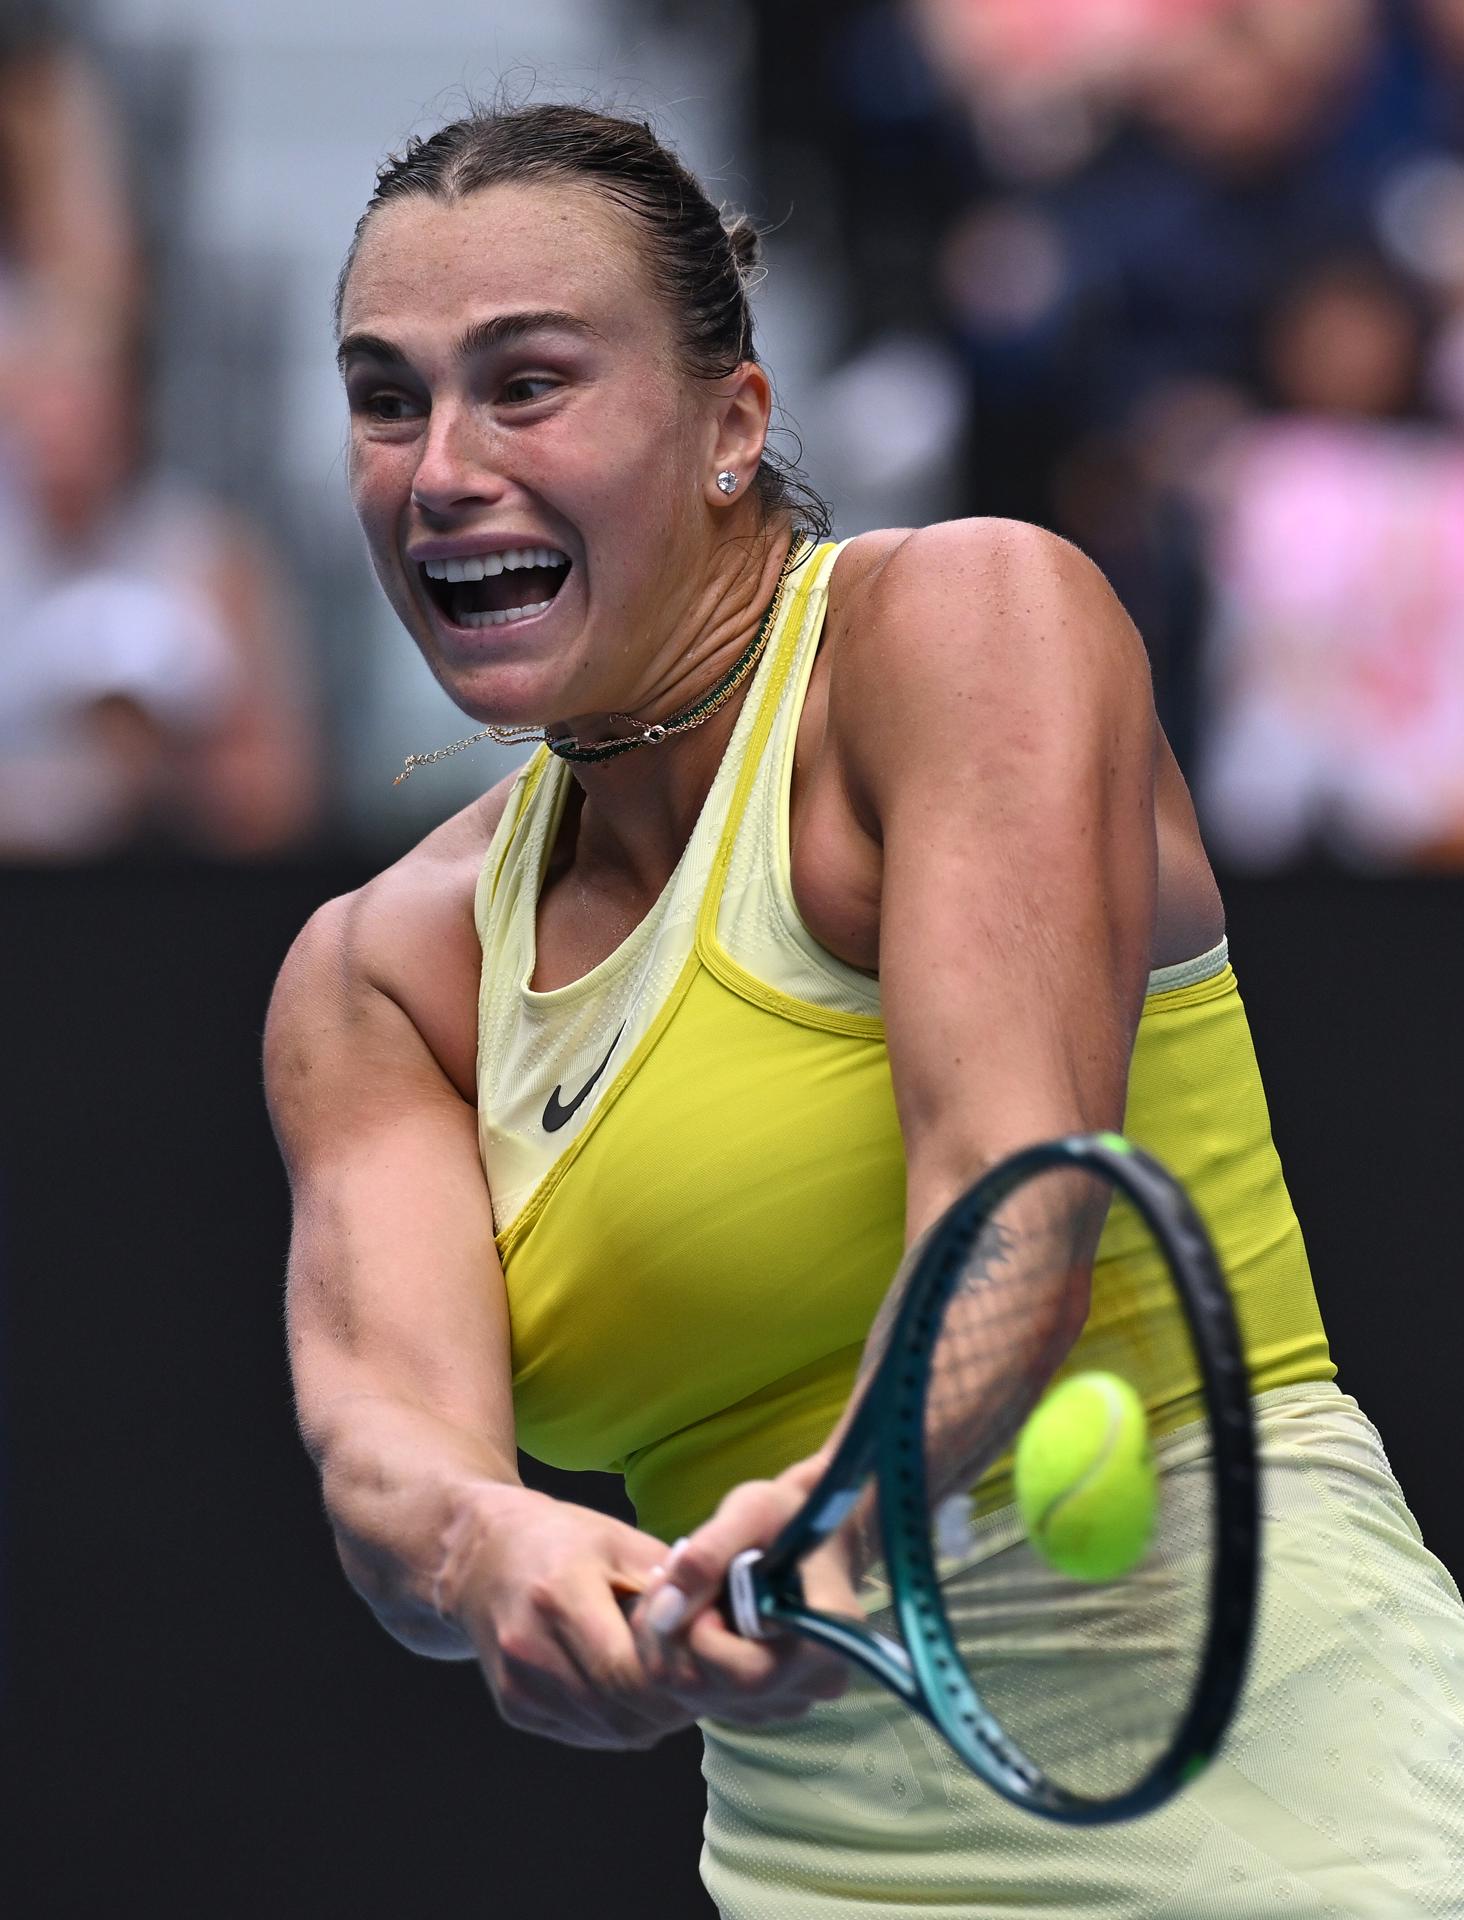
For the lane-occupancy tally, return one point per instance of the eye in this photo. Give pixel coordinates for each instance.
(524, 388)
(383, 404)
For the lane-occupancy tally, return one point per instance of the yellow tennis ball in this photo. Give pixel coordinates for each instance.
(1085, 1477)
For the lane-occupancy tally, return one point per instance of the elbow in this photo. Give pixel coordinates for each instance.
(394, 1483)
(386, 1539)
(412, 1622)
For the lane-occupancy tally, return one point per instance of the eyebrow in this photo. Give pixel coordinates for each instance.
(484, 336)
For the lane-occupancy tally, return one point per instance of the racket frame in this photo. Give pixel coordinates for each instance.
(885, 1440)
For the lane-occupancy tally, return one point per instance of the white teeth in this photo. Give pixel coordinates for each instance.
(505, 617)
(483, 566)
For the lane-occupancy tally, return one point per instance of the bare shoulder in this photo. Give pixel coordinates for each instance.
(406, 938)
(957, 630)
(987, 578)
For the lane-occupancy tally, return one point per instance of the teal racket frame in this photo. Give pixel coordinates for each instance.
(886, 1440)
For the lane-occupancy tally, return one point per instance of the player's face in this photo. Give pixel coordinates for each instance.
(515, 396)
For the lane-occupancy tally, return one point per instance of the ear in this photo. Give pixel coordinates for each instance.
(742, 407)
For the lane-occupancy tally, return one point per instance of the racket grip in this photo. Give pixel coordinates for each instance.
(743, 1595)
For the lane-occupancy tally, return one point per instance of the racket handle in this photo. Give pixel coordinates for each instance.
(743, 1595)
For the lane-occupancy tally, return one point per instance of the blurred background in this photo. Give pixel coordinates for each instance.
(1180, 279)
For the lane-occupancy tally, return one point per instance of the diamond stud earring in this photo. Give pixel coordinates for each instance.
(727, 480)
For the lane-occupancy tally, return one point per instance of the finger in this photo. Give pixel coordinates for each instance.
(593, 1633)
(547, 1697)
(665, 1656)
(713, 1671)
(786, 1666)
(570, 1669)
(635, 1561)
(549, 1720)
(562, 1707)
(696, 1569)
(715, 1699)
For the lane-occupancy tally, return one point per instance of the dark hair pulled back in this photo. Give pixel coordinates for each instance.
(701, 260)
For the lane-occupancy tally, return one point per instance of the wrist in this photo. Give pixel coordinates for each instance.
(803, 1476)
(478, 1512)
(854, 1542)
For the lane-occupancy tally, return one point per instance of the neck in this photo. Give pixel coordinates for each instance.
(638, 809)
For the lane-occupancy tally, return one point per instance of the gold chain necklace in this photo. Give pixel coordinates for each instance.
(648, 733)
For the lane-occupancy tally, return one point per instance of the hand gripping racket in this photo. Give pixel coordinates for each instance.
(1082, 1702)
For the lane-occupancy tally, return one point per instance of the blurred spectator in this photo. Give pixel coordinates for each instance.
(1096, 207)
(1337, 651)
(1152, 262)
(151, 686)
(1108, 308)
(67, 240)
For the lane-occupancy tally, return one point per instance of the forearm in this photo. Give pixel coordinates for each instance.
(403, 1491)
(1019, 1304)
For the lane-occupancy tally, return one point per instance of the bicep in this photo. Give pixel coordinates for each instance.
(1011, 778)
(395, 1289)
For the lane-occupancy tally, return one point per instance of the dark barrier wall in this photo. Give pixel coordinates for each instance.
(201, 1719)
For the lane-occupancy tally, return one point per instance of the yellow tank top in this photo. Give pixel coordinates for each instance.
(696, 1168)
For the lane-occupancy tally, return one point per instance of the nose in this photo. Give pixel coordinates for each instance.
(452, 474)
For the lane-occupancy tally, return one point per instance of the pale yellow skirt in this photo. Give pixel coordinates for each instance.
(1339, 1792)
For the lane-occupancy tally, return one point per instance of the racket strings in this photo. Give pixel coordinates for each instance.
(1090, 1680)
(1020, 1299)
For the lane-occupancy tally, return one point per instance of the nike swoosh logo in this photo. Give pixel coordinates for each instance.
(557, 1113)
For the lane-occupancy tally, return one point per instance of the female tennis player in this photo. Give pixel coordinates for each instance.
(844, 870)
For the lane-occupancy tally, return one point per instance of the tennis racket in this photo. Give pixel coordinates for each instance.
(1082, 1702)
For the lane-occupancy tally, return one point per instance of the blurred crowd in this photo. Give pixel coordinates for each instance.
(1194, 271)
(154, 689)
(1180, 279)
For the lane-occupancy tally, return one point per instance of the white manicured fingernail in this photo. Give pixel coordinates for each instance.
(666, 1611)
(675, 1554)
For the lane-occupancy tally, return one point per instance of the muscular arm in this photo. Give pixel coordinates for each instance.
(396, 1312)
(997, 729)
(1008, 773)
(398, 1323)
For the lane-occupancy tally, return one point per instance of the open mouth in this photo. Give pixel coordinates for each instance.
(495, 589)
